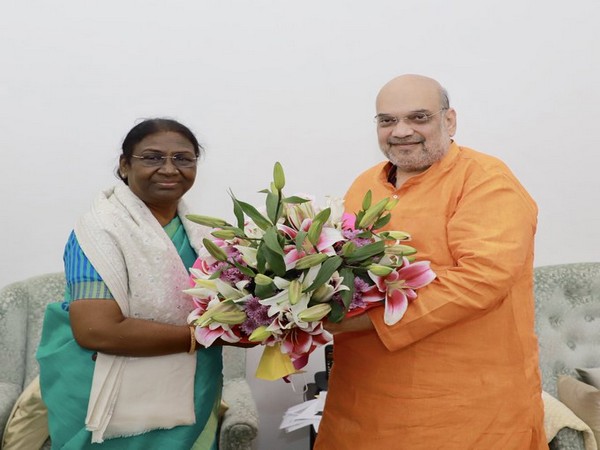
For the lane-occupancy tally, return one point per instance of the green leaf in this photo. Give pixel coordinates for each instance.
(323, 215)
(299, 241)
(261, 260)
(271, 240)
(215, 275)
(366, 251)
(237, 211)
(244, 269)
(359, 216)
(366, 203)
(274, 261)
(295, 199)
(261, 221)
(381, 222)
(327, 268)
(273, 206)
(314, 232)
(348, 248)
(265, 291)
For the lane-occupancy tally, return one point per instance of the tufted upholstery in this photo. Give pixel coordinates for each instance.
(567, 308)
(22, 306)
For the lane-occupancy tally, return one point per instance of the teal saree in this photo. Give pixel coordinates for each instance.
(66, 369)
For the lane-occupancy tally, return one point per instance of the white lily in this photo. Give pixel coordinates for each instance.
(336, 204)
(324, 292)
(281, 304)
(248, 254)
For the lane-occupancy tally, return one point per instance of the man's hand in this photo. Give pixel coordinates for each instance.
(356, 323)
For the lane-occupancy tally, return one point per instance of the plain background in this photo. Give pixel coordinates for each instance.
(261, 81)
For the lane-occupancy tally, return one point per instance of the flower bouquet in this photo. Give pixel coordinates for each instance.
(273, 277)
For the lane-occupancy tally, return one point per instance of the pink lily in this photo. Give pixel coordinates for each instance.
(206, 336)
(291, 256)
(299, 343)
(328, 237)
(399, 287)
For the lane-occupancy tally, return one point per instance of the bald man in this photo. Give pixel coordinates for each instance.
(460, 370)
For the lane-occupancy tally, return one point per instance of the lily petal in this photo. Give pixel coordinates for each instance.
(417, 275)
(396, 304)
(328, 237)
(373, 294)
(206, 337)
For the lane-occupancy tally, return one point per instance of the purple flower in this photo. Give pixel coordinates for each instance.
(350, 235)
(360, 287)
(257, 315)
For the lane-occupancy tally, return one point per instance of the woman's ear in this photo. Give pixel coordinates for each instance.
(122, 167)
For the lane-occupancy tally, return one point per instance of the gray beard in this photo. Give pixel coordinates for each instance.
(415, 163)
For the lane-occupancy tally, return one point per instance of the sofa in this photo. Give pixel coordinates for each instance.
(22, 306)
(567, 309)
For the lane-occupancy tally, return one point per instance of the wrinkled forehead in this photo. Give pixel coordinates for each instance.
(405, 96)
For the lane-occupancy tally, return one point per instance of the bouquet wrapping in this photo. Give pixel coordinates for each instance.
(276, 275)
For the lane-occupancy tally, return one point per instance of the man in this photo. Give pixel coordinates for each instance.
(460, 370)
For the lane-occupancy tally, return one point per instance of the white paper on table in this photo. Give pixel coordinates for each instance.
(304, 414)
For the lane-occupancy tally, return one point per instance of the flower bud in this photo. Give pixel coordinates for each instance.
(278, 176)
(391, 204)
(213, 222)
(400, 250)
(229, 317)
(379, 270)
(215, 251)
(314, 313)
(310, 261)
(259, 334)
(398, 235)
(262, 280)
(372, 214)
(294, 291)
(223, 234)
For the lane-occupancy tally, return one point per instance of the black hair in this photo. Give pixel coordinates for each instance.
(152, 126)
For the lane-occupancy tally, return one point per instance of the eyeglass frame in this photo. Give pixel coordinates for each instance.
(396, 119)
(146, 160)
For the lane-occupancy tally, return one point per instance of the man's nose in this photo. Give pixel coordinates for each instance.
(402, 129)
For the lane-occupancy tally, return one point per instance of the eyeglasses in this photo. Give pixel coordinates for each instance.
(415, 119)
(158, 159)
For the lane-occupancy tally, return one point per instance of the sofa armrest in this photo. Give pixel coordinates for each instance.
(568, 439)
(239, 425)
(9, 393)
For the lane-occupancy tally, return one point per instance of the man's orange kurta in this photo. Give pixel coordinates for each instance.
(460, 369)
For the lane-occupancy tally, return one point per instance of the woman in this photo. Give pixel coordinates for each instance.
(119, 367)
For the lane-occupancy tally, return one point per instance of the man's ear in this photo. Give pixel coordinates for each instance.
(450, 121)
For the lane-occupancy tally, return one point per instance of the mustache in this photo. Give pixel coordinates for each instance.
(405, 141)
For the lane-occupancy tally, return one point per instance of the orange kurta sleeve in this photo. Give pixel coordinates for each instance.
(490, 238)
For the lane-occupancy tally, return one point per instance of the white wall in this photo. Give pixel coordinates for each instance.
(261, 81)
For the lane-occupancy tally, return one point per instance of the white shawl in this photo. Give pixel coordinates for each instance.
(145, 274)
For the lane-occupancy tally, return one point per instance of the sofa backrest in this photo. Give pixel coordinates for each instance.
(567, 309)
(22, 308)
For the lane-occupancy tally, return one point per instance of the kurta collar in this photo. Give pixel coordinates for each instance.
(387, 175)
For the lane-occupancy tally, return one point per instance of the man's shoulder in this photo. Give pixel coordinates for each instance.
(482, 159)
